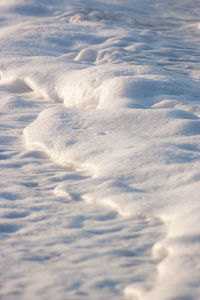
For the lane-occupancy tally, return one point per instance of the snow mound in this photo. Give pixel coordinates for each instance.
(88, 55)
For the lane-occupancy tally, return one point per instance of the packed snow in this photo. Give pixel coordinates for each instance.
(100, 150)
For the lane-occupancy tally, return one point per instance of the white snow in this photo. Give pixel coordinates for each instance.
(89, 55)
(100, 150)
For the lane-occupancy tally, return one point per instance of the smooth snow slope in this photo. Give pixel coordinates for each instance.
(100, 115)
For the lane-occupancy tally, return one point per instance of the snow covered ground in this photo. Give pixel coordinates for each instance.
(100, 149)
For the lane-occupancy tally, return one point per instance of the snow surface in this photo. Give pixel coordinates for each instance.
(100, 149)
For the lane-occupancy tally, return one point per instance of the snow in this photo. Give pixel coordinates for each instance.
(87, 55)
(99, 150)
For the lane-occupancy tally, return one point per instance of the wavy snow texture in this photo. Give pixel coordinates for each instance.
(130, 157)
(129, 81)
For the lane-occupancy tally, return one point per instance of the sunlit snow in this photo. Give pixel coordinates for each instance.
(100, 149)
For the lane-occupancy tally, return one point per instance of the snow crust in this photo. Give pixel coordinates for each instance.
(138, 165)
(105, 95)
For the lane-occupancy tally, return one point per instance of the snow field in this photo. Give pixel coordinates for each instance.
(107, 98)
(53, 246)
